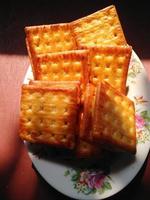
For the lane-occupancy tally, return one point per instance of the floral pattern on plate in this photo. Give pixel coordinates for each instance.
(134, 70)
(142, 120)
(89, 181)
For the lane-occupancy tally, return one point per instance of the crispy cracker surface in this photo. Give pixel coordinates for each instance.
(64, 66)
(49, 39)
(100, 28)
(114, 119)
(73, 85)
(48, 115)
(110, 64)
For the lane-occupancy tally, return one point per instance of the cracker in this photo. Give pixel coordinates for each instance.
(56, 84)
(48, 115)
(86, 116)
(64, 66)
(59, 84)
(100, 28)
(114, 119)
(48, 39)
(86, 149)
(110, 64)
(64, 84)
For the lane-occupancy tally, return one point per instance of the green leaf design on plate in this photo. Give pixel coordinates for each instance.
(101, 190)
(75, 176)
(148, 127)
(67, 172)
(107, 185)
(146, 115)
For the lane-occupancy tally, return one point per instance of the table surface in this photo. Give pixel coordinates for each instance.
(18, 178)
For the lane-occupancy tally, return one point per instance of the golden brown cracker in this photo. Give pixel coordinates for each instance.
(59, 84)
(86, 117)
(110, 64)
(64, 66)
(86, 149)
(48, 39)
(114, 119)
(100, 28)
(48, 115)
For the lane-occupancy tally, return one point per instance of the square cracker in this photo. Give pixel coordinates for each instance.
(110, 64)
(48, 115)
(48, 39)
(62, 66)
(114, 119)
(100, 28)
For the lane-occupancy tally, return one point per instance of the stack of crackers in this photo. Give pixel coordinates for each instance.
(77, 99)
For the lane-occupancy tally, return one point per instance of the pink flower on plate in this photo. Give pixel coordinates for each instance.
(84, 177)
(140, 123)
(95, 180)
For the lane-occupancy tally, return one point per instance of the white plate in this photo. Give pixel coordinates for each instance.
(95, 183)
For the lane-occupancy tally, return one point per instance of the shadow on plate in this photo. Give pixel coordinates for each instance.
(105, 162)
